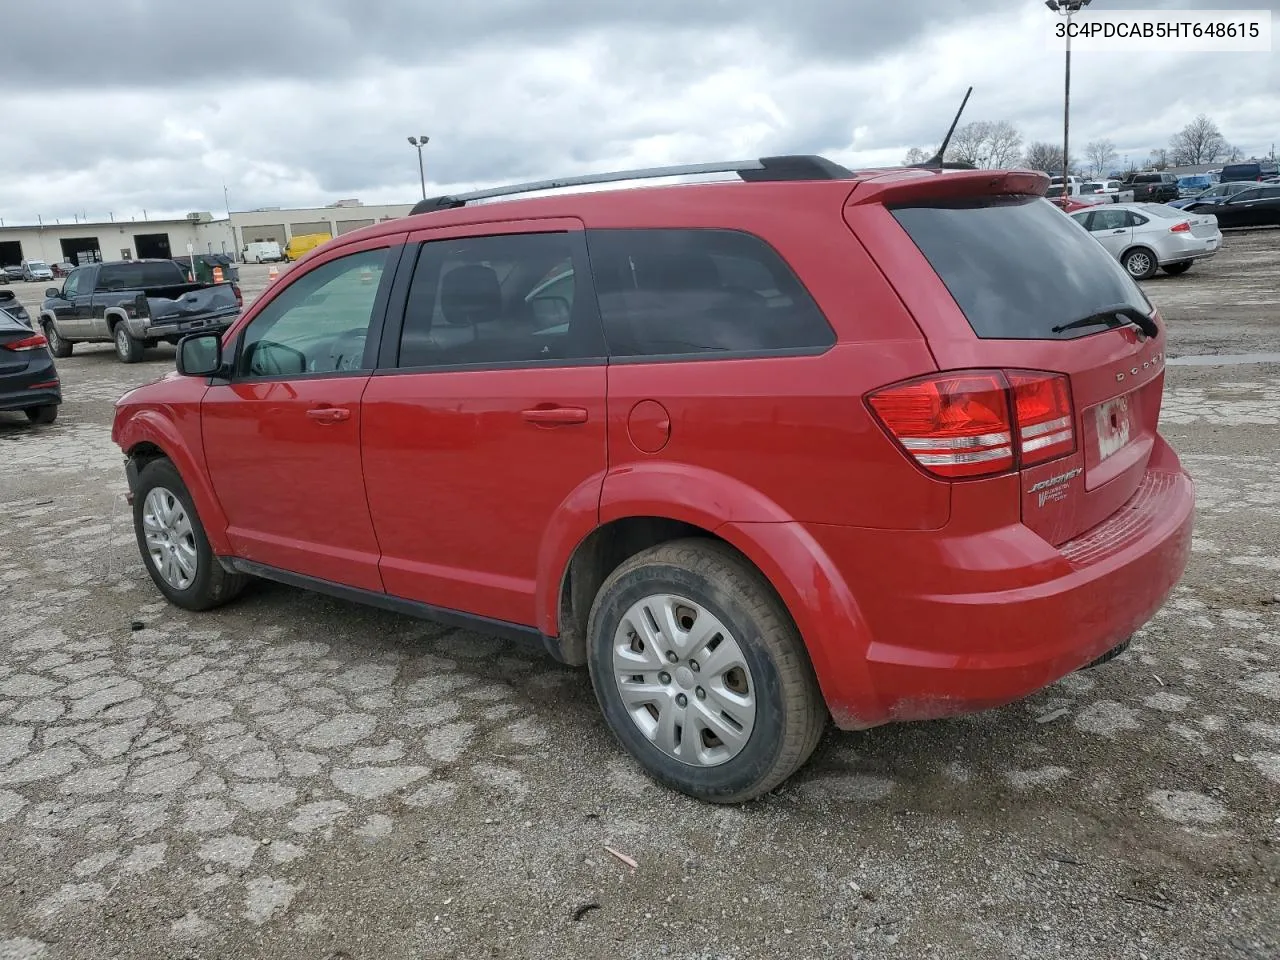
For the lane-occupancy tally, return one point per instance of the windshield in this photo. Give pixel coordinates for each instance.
(37, 265)
(1091, 187)
(1017, 267)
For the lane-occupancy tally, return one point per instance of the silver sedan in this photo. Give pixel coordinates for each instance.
(1146, 237)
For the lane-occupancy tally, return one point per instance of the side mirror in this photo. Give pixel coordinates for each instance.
(200, 354)
(53, 293)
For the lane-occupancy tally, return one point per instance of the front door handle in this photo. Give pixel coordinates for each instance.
(555, 415)
(329, 414)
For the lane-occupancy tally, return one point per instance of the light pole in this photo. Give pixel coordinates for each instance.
(421, 142)
(1065, 8)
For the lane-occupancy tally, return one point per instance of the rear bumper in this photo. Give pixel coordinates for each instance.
(1032, 614)
(180, 328)
(26, 399)
(1190, 247)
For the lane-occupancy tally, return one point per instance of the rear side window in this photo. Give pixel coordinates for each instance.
(497, 300)
(697, 292)
(1017, 267)
(133, 276)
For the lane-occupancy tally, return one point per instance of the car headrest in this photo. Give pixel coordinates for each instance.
(469, 295)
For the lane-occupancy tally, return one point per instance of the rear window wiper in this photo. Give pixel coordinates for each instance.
(1117, 316)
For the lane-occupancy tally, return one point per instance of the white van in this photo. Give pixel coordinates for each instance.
(263, 251)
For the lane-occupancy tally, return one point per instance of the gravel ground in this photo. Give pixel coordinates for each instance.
(293, 776)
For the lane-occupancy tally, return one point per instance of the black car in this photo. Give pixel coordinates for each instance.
(28, 379)
(1250, 170)
(1255, 207)
(10, 303)
(11, 273)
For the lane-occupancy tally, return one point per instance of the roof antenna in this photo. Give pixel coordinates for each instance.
(936, 162)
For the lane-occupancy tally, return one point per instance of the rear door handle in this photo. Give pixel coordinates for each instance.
(329, 414)
(555, 415)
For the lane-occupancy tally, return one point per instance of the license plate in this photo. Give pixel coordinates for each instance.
(1112, 421)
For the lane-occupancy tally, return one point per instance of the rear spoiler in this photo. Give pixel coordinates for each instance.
(913, 186)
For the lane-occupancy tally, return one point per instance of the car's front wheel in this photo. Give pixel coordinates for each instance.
(61, 349)
(1140, 263)
(701, 673)
(173, 544)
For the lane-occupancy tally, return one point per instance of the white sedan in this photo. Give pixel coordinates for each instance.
(1146, 237)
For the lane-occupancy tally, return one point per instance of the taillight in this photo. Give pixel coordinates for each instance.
(235, 288)
(35, 342)
(954, 425)
(1183, 227)
(1042, 408)
(977, 423)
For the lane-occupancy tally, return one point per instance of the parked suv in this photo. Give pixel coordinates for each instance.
(871, 447)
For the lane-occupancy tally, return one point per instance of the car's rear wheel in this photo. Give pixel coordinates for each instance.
(61, 349)
(701, 673)
(1140, 263)
(1173, 269)
(42, 414)
(173, 544)
(128, 349)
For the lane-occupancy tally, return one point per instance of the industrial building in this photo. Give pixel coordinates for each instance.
(87, 242)
(273, 223)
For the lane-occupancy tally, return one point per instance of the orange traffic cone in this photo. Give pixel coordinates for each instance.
(273, 273)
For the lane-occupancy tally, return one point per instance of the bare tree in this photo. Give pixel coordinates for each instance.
(1046, 157)
(1159, 158)
(1101, 154)
(1200, 141)
(916, 155)
(984, 143)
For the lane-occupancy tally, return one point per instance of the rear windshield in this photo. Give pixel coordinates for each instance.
(134, 276)
(1017, 267)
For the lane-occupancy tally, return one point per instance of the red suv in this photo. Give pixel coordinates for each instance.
(875, 446)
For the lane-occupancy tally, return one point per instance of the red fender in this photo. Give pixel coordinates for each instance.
(157, 427)
(813, 591)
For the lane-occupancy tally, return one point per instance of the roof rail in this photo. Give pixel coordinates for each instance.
(774, 169)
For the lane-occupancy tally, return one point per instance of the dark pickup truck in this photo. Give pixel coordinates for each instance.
(1152, 187)
(134, 304)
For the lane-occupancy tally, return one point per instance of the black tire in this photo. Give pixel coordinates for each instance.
(790, 712)
(1140, 263)
(128, 350)
(212, 585)
(61, 349)
(1175, 269)
(45, 414)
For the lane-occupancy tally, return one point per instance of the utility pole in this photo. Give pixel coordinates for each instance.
(1066, 8)
(421, 142)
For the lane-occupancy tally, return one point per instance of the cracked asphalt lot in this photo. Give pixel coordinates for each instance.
(293, 776)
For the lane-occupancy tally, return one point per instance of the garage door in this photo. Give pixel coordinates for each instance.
(303, 229)
(264, 234)
(346, 226)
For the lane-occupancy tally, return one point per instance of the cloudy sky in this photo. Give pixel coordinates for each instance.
(142, 104)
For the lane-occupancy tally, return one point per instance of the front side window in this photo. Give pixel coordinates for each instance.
(497, 300)
(676, 292)
(319, 323)
(71, 284)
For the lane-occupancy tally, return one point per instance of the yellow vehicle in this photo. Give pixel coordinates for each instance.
(305, 244)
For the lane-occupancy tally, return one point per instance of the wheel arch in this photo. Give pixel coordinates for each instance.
(147, 437)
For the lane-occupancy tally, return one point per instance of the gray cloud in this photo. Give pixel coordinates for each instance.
(298, 102)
